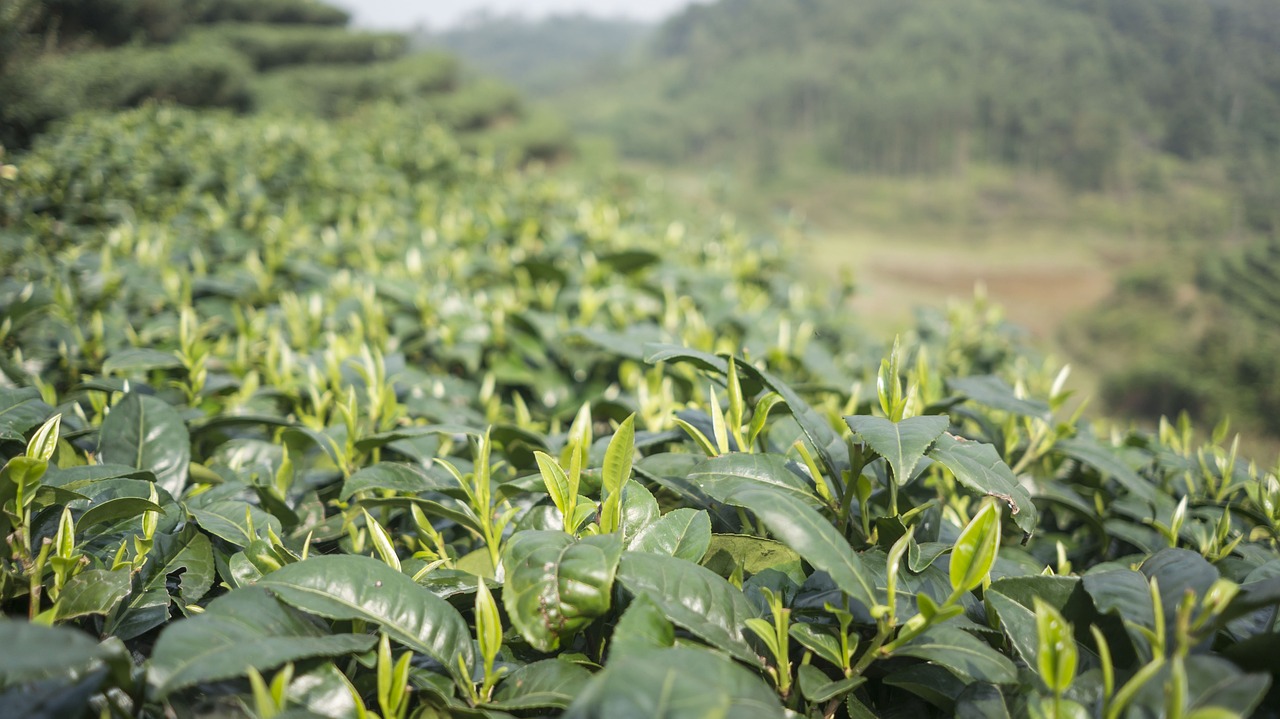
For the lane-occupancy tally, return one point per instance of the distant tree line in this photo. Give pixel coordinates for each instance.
(1087, 89)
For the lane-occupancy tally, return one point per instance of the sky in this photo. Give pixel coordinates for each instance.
(436, 14)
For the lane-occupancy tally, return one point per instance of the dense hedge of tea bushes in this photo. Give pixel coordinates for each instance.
(343, 418)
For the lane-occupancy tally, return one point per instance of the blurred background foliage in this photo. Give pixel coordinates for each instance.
(62, 57)
(1108, 169)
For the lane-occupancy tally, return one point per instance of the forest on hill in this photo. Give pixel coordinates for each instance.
(1136, 129)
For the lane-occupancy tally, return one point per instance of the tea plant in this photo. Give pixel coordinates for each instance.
(378, 426)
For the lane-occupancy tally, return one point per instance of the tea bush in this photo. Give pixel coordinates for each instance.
(283, 12)
(339, 90)
(196, 74)
(271, 46)
(342, 419)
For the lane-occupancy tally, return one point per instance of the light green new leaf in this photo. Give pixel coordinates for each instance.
(617, 470)
(976, 548)
(557, 482)
(244, 629)
(488, 623)
(355, 587)
(1057, 648)
(902, 444)
(978, 466)
(557, 585)
(146, 433)
(676, 683)
(45, 441)
(693, 597)
(618, 456)
(812, 537)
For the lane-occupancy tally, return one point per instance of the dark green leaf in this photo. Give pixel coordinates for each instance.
(34, 651)
(94, 591)
(962, 654)
(753, 553)
(639, 510)
(230, 520)
(1092, 453)
(549, 683)
(146, 433)
(981, 701)
(684, 533)
(692, 597)
(978, 466)
(76, 478)
(373, 441)
(20, 410)
(672, 353)
(642, 626)
(677, 683)
(244, 629)
(1123, 592)
(114, 510)
(147, 606)
(52, 698)
(818, 687)
(395, 477)
(1013, 600)
(720, 477)
(812, 536)
(139, 360)
(323, 691)
(355, 587)
(931, 683)
(902, 444)
(557, 585)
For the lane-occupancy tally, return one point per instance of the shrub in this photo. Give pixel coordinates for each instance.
(283, 12)
(197, 74)
(269, 46)
(336, 90)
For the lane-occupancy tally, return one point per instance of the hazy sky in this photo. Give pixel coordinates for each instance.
(404, 14)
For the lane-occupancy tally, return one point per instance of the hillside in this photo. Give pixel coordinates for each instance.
(1092, 92)
(1056, 153)
(279, 57)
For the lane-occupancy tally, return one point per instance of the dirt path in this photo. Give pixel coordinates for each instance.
(1039, 287)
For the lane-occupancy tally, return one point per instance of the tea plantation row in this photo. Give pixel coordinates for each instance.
(341, 419)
